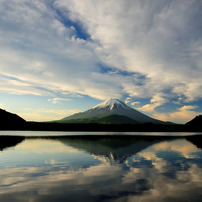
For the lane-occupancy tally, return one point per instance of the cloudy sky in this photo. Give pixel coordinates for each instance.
(58, 57)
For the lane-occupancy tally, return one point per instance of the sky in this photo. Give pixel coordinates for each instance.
(60, 57)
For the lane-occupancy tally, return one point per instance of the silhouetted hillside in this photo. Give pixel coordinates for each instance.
(9, 121)
(195, 124)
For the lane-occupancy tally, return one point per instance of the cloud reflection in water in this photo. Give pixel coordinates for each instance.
(101, 169)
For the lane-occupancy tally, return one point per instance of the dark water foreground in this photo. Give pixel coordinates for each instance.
(101, 168)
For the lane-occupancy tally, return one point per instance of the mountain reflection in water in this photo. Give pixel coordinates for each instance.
(111, 148)
(10, 141)
(102, 168)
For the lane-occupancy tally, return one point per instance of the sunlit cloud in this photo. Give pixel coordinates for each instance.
(135, 103)
(187, 108)
(127, 100)
(182, 115)
(155, 102)
(58, 100)
(47, 114)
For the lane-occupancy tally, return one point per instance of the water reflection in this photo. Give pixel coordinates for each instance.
(102, 169)
(111, 149)
(10, 141)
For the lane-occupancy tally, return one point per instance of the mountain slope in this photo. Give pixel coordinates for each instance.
(9, 120)
(115, 119)
(107, 108)
(195, 124)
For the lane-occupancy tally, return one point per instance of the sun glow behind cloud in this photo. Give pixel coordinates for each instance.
(151, 50)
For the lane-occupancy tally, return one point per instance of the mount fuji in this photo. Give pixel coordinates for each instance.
(108, 109)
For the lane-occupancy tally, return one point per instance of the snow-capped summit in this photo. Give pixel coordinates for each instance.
(111, 104)
(108, 108)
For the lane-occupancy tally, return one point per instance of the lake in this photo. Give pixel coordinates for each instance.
(69, 166)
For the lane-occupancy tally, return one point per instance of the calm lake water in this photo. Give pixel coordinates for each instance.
(104, 167)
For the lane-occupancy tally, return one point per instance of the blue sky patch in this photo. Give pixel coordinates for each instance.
(67, 22)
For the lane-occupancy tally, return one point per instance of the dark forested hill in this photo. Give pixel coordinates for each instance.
(195, 124)
(10, 121)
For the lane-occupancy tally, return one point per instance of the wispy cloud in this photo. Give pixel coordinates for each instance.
(58, 100)
(56, 47)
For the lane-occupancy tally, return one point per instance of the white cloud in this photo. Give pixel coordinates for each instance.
(58, 100)
(159, 40)
(152, 38)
